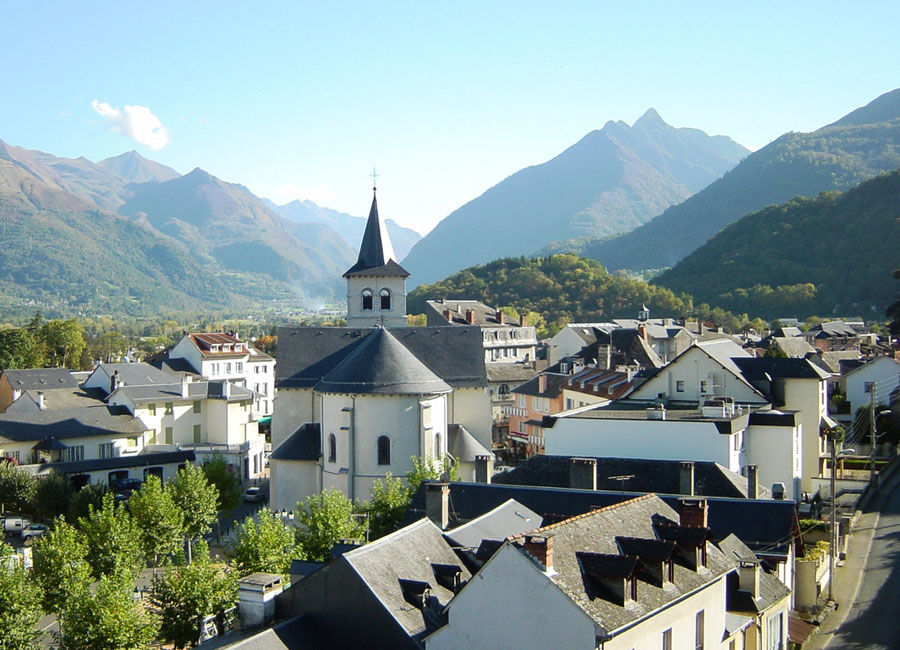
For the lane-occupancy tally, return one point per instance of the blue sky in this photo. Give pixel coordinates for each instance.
(300, 100)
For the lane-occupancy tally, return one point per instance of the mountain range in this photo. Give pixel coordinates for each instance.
(611, 181)
(834, 253)
(839, 156)
(128, 235)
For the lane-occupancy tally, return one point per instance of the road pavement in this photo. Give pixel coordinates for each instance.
(868, 585)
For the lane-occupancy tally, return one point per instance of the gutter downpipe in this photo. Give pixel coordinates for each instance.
(351, 439)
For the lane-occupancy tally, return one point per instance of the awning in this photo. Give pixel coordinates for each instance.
(799, 630)
(265, 420)
(518, 436)
(49, 444)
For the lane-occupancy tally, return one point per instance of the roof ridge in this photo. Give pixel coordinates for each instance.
(585, 515)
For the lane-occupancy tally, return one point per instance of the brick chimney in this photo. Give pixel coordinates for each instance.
(501, 317)
(540, 547)
(542, 384)
(448, 316)
(437, 504)
(470, 316)
(686, 478)
(642, 331)
(484, 468)
(583, 473)
(523, 320)
(752, 481)
(693, 513)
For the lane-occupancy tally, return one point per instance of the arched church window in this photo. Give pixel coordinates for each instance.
(332, 448)
(437, 447)
(384, 450)
(385, 295)
(366, 299)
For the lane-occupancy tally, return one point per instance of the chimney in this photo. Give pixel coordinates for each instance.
(226, 389)
(484, 468)
(540, 547)
(437, 504)
(185, 391)
(470, 316)
(501, 317)
(256, 598)
(114, 382)
(752, 481)
(583, 473)
(523, 320)
(748, 576)
(642, 331)
(693, 513)
(448, 316)
(686, 478)
(542, 383)
(778, 491)
(40, 400)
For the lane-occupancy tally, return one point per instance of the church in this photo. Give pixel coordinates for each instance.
(358, 402)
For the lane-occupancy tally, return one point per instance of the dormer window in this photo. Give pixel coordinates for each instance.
(214, 347)
(385, 295)
(367, 299)
(226, 347)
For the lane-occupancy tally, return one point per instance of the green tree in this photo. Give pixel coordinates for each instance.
(198, 500)
(20, 606)
(159, 519)
(53, 495)
(893, 311)
(185, 595)
(17, 488)
(324, 519)
(20, 349)
(228, 484)
(389, 503)
(64, 342)
(264, 544)
(428, 469)
(60, 564)
(108, 619)
(113, 538)
(85, 498)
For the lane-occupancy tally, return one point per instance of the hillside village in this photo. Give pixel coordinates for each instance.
(642, 482)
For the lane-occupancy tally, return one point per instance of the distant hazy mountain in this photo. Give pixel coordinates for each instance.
(187, 242)
(347, 226)
(609, 182)
(830, 254)
(836, 157)
(226, 223)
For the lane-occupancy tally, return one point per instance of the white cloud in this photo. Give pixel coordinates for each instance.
(137, 122)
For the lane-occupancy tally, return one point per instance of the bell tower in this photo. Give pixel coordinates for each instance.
(376, 284)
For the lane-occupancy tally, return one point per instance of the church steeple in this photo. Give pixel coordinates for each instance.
(376, 250)
(376, 284)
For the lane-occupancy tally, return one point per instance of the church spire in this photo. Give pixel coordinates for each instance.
(375, 251)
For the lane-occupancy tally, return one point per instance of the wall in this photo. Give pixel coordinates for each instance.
(884, 371)
(777, 451)
(294, 407)
(526, 609)
(651, 439)
(292, 481)
(471, 407)
(809, 396)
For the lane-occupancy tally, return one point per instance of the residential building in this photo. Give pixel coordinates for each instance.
(13, 383)
(833, 335)
(506, 339)
(877, 377)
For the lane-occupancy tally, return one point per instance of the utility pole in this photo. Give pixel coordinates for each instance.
(872, 430)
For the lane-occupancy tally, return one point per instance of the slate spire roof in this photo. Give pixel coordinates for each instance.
(376, 255)
(380, 364)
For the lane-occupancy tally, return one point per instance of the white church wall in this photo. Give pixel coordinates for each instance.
(292, 481)
(294, 407)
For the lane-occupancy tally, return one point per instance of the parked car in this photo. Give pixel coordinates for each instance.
(254, 494)
(33, 530)
(13, 525)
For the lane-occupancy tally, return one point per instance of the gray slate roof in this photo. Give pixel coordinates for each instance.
(408, 554)
(40, 378)
(100, 420)
(763, 368)
(137, 374)
(601, 532)
(304, 444)
(381, 365)
(307, 354)
(663, 476)
(134, 460)
(771, 589)
(508, 519)
(196, 390)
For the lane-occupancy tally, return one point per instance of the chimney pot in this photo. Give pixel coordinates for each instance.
(540, 547)
(437, 504)
(687, 478)
(583, 473)
(752, 481)
(693, 513)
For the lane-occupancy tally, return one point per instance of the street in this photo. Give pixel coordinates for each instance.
(870, 622)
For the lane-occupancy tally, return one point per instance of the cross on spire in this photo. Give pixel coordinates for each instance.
(375, 176)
